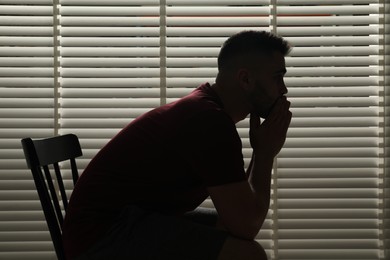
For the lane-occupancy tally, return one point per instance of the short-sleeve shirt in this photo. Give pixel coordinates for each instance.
(162, 161)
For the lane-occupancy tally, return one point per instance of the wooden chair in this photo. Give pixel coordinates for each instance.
(40, 154)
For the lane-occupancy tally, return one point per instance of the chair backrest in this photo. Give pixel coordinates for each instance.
(42, 157)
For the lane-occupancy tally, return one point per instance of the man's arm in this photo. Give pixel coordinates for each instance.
(243, 206)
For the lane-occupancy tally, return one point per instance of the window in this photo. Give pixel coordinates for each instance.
(91, 66)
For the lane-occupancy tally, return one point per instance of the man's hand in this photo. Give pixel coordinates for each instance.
(267, 139)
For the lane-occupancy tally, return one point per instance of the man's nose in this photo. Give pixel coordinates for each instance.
(283, 89)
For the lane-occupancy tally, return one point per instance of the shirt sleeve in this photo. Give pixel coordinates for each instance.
(213, 148)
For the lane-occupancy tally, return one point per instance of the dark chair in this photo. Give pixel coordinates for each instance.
(40, 154)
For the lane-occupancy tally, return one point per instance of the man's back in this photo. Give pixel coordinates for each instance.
(163, 161)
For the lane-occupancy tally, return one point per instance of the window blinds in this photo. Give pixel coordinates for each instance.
(110, 66)
(91, 66)
(26, 109)
(326, 180)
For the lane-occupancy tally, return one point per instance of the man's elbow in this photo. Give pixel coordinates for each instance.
(250, 236)
(247, 232)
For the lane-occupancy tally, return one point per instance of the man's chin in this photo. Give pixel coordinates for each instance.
(261, 114)
(264, 115)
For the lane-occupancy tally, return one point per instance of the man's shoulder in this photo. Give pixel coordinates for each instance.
(203, 101)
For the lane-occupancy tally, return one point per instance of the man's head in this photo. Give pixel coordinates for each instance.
(254, 61)
(247, 43)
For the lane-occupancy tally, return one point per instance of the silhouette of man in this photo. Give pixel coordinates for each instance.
(139, 197)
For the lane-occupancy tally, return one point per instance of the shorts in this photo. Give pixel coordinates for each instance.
(141, 234)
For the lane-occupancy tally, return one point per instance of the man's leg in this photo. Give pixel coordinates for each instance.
(202, 215)
(233, 248)
(139, 234)
(142, 234)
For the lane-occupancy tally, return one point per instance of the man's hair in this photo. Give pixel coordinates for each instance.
(249, 43)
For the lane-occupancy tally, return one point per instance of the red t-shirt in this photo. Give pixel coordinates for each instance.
(163, 161)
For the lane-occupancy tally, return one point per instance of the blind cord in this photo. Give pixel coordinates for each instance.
(163, 53)
(384, 93)
(275, 223)
(56, 67)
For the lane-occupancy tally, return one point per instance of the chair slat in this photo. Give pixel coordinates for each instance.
(75, 175)
(53, 195)
(61, 186)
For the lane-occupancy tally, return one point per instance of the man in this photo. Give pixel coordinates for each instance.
(139, 196)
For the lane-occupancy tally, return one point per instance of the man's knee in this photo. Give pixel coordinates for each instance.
(235, 248)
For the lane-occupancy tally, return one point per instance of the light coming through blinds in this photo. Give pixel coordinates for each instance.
(327, 188)
(26, 109)
(110, 59)
(90, 67)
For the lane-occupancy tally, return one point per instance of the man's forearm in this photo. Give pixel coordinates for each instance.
(259, 178)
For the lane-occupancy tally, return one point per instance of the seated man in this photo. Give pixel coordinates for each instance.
(139, 196)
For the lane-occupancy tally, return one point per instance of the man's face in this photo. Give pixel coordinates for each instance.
(268, 84)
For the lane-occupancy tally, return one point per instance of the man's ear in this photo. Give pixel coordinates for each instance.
(244, 80)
